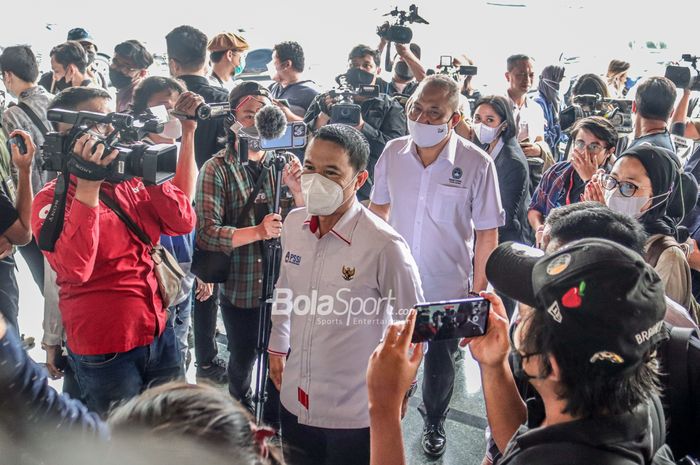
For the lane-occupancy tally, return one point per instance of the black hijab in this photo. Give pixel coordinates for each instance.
(662, 170)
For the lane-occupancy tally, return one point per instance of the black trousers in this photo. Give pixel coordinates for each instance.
(242, 334)
(35, 260)
(309, 445)
(204, 328)
(438, 379)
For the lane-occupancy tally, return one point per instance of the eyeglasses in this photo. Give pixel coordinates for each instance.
(627, 189)
(593, 147)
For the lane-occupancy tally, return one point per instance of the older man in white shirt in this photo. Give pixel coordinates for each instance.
(344, 273)
(441, 194)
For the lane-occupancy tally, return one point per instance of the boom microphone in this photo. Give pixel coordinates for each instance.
(270, 122)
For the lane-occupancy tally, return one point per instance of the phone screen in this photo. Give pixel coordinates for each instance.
(453, 319)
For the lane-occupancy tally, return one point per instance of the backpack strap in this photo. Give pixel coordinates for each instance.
(657, 248)
(35, 119)
(677, 366)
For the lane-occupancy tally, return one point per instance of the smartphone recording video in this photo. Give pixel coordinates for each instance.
(452, 319)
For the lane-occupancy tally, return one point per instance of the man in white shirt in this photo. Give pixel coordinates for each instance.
(529, 117)
(344, 272)
(440, 192)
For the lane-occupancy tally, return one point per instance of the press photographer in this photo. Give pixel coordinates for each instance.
(111, 291)
(652, 108)
(234, 198)
(381, 118)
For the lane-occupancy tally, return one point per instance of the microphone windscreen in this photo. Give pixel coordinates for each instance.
(270, 122)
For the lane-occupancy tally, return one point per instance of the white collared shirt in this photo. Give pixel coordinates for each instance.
(529, 118)
(437, 208)
(362, 263)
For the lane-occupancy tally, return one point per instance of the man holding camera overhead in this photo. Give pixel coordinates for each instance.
(381, 118)
(117, 334)
(440, 192)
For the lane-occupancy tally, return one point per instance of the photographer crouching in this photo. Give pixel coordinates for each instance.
(379, 117)
(110, 296)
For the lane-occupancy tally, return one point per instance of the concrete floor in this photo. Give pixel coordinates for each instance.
(465, 425)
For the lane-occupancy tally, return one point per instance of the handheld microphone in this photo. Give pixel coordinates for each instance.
(270, 122)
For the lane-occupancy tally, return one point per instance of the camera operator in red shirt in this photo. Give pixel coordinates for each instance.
(117, 331)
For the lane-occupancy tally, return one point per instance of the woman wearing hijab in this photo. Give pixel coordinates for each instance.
(550, 102)
(641, 184)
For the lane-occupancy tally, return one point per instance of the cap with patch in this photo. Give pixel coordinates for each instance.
(227, 41)
(600, 297)
(81, 35)
(244, 89)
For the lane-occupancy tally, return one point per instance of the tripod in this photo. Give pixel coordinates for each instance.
(272, 249)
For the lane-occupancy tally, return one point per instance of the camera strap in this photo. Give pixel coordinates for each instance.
(43, 129)
(87, 170)
(53, 224)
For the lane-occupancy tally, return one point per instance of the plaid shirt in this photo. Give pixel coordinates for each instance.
(223, 188)
(551, 193)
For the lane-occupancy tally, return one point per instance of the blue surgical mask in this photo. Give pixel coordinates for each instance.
(241, 66)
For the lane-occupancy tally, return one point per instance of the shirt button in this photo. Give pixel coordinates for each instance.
(259, 281)
(259, 260)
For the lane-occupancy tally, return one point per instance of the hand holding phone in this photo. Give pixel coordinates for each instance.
(452, 319)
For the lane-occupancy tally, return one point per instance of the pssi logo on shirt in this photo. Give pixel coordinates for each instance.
(293, 259)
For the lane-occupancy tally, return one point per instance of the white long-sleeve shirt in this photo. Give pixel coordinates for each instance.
(334, 299)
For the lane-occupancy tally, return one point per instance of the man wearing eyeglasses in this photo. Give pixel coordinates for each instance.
(440, 192)
(594, 142)
(129, 67)
(227, 52)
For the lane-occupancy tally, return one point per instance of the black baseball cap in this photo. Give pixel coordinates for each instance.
(601, 298)
(245, 89)
(81, 35)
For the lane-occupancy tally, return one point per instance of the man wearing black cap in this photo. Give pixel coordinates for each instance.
(88, 42)
(129, 67)
(234, 213)
(591, 320)
(585, 340)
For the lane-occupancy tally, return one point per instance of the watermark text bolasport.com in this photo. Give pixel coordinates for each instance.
(337, 308)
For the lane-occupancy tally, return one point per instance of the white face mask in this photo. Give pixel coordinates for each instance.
(427, 135)
(630, 206)
(322, 196)
(486, 134)
(172, 129)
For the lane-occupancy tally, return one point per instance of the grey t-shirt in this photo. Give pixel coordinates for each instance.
(299, 95)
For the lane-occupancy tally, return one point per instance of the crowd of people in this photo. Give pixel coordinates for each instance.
(583, 239)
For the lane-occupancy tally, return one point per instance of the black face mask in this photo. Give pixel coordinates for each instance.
(119, 79)
(359, 77)
(403, 71)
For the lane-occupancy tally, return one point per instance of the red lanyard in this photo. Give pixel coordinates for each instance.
(571, 186)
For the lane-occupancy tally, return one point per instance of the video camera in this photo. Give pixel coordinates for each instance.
(617, 111)
(207, 111)
(344, 110)
(155, 164)
(685, 77)
(448, 68)
(399, 32)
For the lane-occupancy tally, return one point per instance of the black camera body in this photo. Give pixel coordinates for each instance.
(155, 164)
(345, 110)
(398, 32)
(617, 111)
(448, 68)
(685, 77)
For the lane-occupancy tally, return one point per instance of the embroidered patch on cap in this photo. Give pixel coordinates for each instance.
(555, 312)
(605, 356)
(558, 265)
(574, 296)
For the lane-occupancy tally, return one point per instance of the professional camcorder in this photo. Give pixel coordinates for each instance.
(155, 164)
(618, 112)
(685, 77)
(207, 111)
(344, 110)
(399, 32)
(448, 68)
